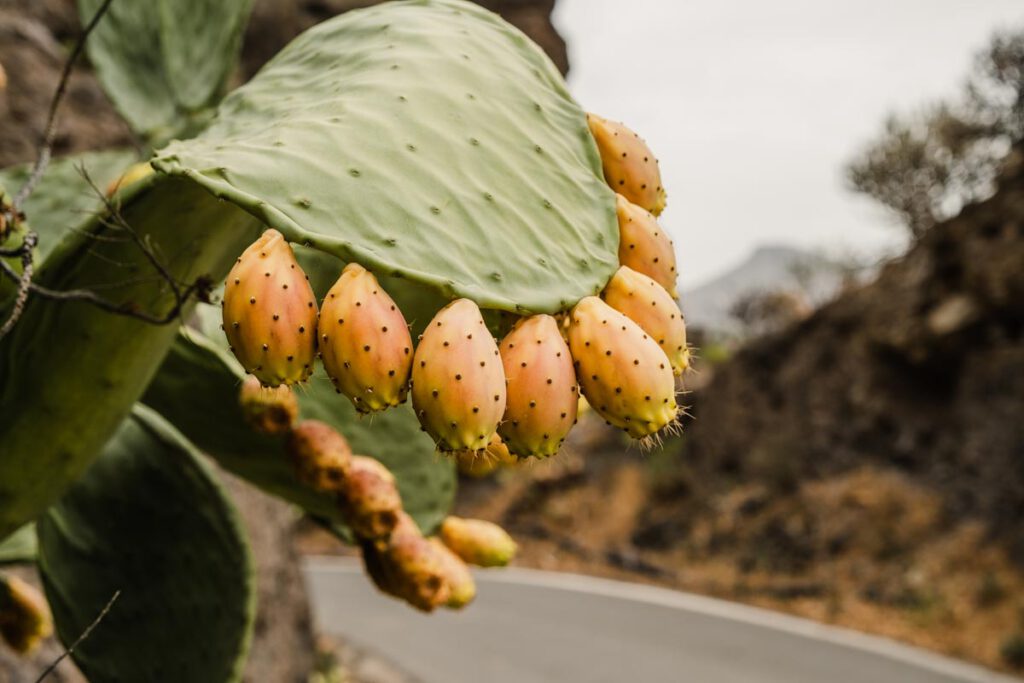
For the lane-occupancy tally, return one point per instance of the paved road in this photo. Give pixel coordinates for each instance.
(529, 626)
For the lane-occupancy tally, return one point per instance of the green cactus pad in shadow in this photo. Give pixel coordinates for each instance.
(428, 140)
(148, 519)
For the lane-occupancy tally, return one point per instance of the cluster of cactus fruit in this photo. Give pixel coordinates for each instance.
(473, 395)
(481, 401)
(425, 572)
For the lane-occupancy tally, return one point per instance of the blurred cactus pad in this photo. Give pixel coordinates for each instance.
(427, 140)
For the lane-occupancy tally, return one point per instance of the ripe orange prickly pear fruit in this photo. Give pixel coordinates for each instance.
(24, 617)
(478, 542)
(268, 410)
(365, 342)
(644, 246)
(458, 384)
(646, 303)
(321, 456)
(629, 166)
(622, 371)
(369, 498)
(133, 174)
(270, 313)
(461, 586)
(409, 566)
(541, 382)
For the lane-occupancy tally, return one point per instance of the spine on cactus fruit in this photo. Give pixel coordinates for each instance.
(541, 388)
(369, 498)
(24, 616)
(321, 456)
(478, 465)
(365, 343)
(623, 373)
(630, 168)
(458, 384)
(646, 303)
(270, 312)
(268, 410)
(478, 542)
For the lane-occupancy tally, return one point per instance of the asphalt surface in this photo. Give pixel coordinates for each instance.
(532, 626)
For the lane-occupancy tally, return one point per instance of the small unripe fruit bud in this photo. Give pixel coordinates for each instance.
(478, 542)
(24, 616)
(321, 456)
(478, 465)
(268, 410)
(369, 498)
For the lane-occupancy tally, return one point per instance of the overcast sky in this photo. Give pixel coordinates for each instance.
(753, 106)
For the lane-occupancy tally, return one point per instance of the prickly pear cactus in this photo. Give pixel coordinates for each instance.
(149, 520)
(483, 187)
(393, 117)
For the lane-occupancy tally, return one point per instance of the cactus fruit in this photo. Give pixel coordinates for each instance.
(321, 456)
(133, 174)
(478, 542)
(458, 384)
(369, 498)
(461, 586)
(541, 382)
(646, 303)
(408, 566)
(268, 410)
(270, 313)
(629, 166)
(644, 245)
(24, 616)
(622, 371)
(365, 343)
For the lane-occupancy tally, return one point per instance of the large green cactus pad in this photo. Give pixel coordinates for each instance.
(197, 389)
(149, 520)
(164, 62)
(70, 371)
(426, 139)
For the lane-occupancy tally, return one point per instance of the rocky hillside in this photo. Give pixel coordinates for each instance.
(922, 369)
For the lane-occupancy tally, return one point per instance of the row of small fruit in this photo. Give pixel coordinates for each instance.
(622, 350)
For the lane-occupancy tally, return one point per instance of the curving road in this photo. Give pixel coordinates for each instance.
(533, 626)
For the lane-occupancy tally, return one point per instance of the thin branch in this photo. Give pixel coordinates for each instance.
(200, 288)
(46, 145)
(85, 634)
(13, 212)
(24, 283)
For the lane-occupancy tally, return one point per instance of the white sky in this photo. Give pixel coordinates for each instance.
(752, 106)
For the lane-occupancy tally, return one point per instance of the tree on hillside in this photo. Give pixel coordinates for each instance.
(926, 166)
